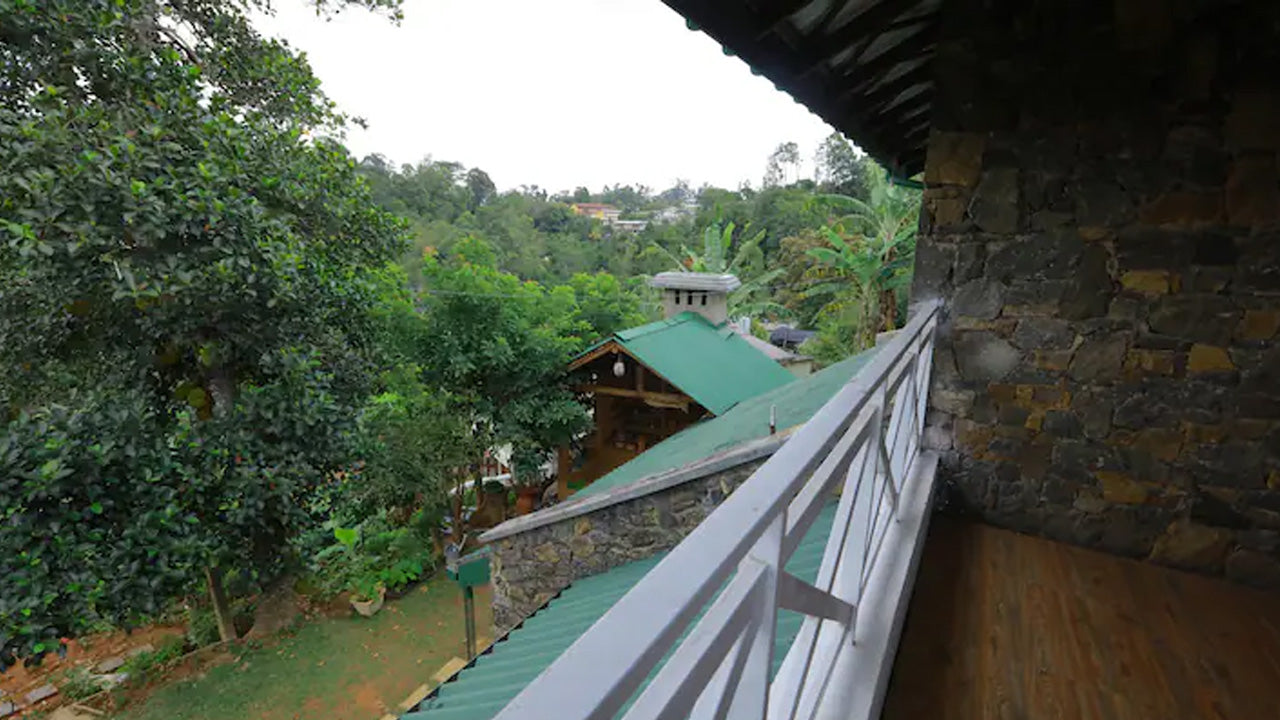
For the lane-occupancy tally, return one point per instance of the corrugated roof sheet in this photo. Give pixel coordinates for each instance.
(713, 365)
(482, 689)
(795, 403)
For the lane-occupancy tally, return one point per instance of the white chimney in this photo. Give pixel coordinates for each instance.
(704, 293)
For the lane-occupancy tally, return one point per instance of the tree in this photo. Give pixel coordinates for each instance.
(869, 259)
(186, 291)
(605, 306)
(798, 273)
(841, 169)
(783, 167)
(500, 347)
(412, 443)
(677, 194)
(481, 187)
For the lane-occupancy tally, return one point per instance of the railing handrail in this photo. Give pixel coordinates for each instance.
(604, 667)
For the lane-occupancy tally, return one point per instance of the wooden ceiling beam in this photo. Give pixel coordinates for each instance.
(855, 84)
(777, 12)
(656, 399)
(869, 25)
(883, 95)
(896, 120)
(918, 44)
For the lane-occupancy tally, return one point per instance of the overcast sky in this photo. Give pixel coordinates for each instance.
(555, 93)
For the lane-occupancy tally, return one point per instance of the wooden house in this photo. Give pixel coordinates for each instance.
(649, 382)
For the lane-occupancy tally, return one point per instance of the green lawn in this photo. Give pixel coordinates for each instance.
(331, 669)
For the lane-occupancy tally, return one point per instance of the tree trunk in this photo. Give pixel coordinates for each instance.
(889, 309)
(221, 390)
(221, 611)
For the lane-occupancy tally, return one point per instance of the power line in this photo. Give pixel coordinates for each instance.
(469, 293)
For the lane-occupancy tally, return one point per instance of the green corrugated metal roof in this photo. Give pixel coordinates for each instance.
(713, 365)
(481, 690)
(796, 402)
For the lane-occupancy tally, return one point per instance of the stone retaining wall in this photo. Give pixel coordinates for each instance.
(531, 566)
(1109, 250)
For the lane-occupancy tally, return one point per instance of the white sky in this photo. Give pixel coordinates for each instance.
(555, 93)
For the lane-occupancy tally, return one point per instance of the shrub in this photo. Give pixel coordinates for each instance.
(145, 665)
(375, 554)
(202, 626)
(77, 684)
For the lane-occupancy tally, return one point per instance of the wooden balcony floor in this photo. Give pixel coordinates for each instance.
(1003, 625)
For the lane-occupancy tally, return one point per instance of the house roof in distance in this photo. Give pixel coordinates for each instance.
(792, 404)
(787, 335)
(713, 365)
(710, 282)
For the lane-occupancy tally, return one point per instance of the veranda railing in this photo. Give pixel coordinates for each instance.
(865, 443)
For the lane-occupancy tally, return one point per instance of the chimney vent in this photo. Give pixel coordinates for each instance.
(704, 293)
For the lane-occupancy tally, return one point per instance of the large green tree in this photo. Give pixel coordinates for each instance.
(839, 168)
(499, 346)
(188, 260)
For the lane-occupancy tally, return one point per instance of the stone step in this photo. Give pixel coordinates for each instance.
(110, 665)
(43, 692)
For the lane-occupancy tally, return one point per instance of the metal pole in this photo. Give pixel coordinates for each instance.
(469, 601)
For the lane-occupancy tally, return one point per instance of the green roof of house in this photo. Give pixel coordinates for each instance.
(479, 691)
(794, 402)
(713, 365)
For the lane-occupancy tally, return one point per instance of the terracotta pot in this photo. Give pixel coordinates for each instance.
(369, 608)
(527, 499)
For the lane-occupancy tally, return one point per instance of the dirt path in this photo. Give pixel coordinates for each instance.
(336, 669)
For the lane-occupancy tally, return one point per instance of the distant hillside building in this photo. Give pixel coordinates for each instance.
(609, 215)
(629, 225)
(600, 211)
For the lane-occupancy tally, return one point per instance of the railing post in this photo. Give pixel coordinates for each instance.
(869, 507)
(751, 700)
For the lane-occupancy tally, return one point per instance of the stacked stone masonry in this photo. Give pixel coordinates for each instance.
(1102, 217)
(531, 567)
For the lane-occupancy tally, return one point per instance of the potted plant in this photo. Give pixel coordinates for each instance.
(527, 498)
(364, 583)
(527, 478)
(368, 593)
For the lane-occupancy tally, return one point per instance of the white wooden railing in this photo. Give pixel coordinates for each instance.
(865, 445)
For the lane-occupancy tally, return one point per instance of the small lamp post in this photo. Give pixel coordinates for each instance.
(468, 571)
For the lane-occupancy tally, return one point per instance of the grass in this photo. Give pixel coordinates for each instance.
(331, 669)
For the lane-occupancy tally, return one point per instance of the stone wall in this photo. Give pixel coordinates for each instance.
(531, 566)
(1101, 217)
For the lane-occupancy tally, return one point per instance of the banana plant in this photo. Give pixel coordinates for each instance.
(869, 259)
(718, 256)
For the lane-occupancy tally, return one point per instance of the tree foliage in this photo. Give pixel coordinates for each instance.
(499, 346)
(841, 169)
(721, 254)
(211, 360)
(189, 265)
(868, 261)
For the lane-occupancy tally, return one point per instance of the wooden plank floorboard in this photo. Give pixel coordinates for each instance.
(1009, 626)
